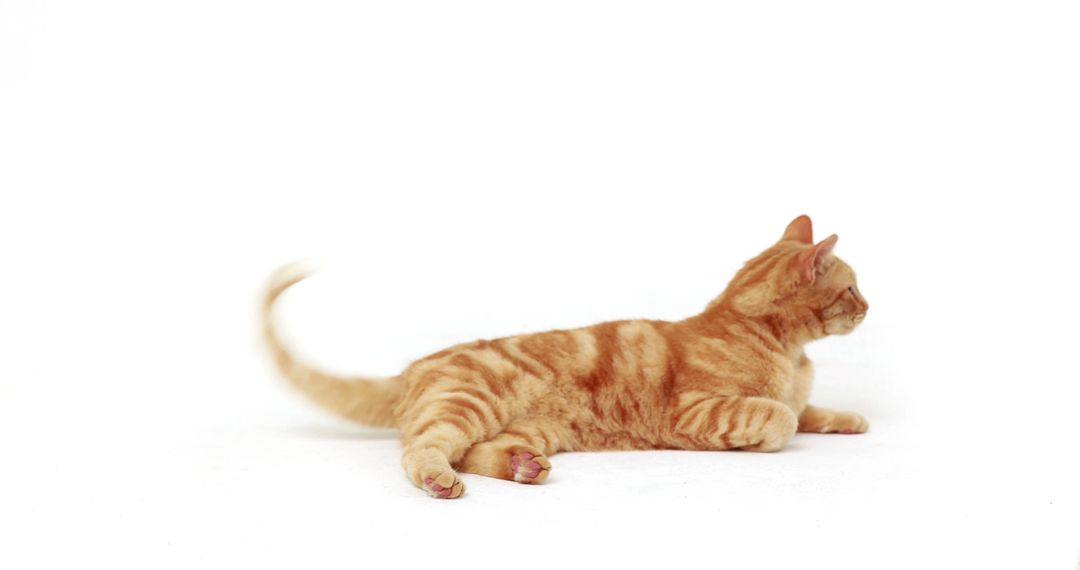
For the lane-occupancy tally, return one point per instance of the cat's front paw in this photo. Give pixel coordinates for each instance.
(821, 420)
(848, 423)
(776, 432)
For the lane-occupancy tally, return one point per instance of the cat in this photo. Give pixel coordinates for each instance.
(732, 377)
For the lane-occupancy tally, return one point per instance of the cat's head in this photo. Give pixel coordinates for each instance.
(800, 280)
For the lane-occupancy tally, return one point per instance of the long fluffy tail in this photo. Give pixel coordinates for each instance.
(364, 400)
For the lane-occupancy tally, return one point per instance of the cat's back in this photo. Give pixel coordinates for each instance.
(637, 351)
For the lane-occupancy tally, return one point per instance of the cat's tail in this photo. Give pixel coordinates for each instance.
(364, 400)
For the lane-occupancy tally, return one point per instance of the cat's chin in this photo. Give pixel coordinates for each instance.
(840, 329)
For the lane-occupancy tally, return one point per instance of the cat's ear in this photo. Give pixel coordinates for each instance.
(800, 229)
(810, 260)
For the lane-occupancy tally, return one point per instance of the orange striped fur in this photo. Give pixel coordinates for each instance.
(733, 377)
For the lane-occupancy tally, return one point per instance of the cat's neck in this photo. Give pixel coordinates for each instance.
(791, 330)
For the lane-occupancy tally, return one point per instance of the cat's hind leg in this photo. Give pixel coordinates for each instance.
(518, 453)
(441, 426)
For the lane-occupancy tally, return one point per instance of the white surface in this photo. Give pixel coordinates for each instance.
(481, 169)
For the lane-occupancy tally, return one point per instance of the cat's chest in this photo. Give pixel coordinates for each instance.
(796, 384)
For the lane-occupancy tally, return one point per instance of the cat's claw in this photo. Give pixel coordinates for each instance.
(529, 468)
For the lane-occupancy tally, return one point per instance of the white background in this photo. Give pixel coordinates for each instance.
(477, 169)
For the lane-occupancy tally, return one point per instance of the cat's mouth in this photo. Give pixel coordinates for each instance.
(843, 326)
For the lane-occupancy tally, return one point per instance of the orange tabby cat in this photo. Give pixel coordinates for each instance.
(733, 377)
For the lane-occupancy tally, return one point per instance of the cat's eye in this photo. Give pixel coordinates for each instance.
(851, 290)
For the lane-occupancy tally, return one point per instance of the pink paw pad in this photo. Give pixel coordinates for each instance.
(437, 490)
(527, 468)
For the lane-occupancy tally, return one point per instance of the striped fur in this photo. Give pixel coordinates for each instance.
(733, 377)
